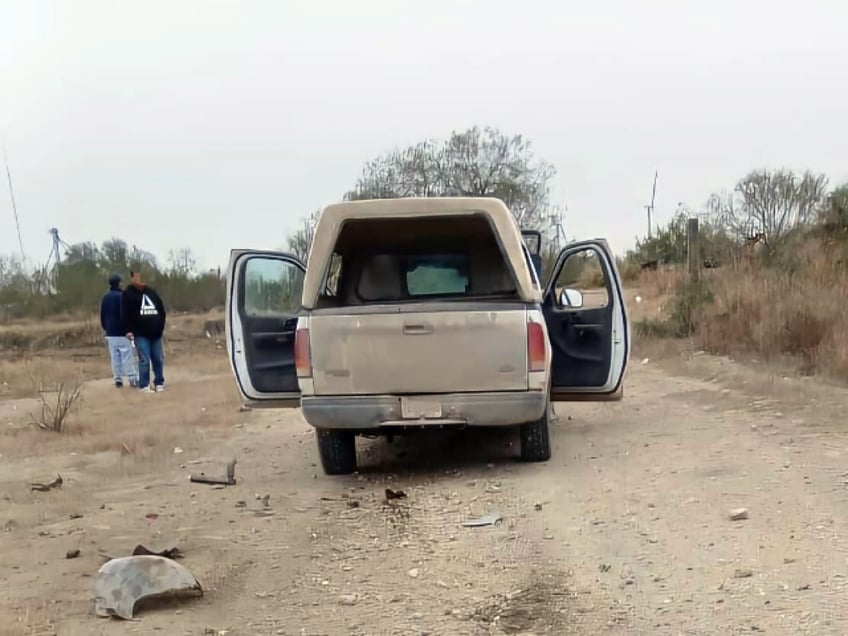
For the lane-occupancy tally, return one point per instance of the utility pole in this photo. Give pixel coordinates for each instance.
(14, 207)
(650, 208)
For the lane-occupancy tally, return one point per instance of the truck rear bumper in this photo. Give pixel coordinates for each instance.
(370, 412)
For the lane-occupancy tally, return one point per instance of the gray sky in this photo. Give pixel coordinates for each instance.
(212, 125)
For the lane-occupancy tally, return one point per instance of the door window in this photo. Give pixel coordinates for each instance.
(582, 282)
(272, 287)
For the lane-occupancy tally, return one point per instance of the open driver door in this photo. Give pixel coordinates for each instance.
(263, 302)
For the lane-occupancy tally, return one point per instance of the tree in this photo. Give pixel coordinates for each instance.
(477, 163)
(182, 262)
(301, 240)
(115, 256)
(775, 203)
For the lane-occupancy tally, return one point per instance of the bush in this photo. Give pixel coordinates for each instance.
(685, 311)
(58, 399)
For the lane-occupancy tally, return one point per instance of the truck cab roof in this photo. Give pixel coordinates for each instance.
(382, 212)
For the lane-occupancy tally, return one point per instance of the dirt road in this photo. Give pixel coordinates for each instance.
(625, 530)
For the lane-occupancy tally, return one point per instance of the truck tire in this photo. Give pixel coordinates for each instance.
(536, 440)
(337, 450)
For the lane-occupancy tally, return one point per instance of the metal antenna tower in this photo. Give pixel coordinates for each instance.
(558, 228)
(51, 267)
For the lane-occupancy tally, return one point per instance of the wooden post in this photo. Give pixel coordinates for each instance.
(693, 250)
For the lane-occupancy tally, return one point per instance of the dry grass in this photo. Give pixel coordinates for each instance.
(661, 282)
(200, 398)
(775, 314)
(791, 311)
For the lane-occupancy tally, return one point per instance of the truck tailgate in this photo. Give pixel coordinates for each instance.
(419, 352)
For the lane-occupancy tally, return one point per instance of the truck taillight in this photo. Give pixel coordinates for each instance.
(535, 347)
(302, 354)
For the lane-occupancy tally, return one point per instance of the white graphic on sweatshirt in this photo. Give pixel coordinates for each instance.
(147, 307)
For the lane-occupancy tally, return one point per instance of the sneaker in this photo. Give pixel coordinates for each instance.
(160, 388)
(146, 389)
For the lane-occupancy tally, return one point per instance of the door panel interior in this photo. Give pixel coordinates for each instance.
(268, 302)
(581, 336)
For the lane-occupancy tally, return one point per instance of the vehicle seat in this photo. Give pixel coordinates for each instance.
(379, 279)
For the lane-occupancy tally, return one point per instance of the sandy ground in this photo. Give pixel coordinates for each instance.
(624, 531)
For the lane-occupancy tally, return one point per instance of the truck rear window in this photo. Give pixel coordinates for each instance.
(436, 274)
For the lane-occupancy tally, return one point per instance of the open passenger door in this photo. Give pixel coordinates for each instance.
(263, 303)
(587, 324)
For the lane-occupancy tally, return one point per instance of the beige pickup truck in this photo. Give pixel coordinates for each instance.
(424, 313)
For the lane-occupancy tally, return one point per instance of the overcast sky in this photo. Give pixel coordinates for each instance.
(217, 124)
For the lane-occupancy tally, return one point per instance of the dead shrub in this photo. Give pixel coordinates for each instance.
(58, 400)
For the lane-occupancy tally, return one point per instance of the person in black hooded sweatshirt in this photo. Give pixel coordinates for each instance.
(143, 317)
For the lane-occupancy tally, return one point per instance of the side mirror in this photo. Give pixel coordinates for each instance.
(571, 298)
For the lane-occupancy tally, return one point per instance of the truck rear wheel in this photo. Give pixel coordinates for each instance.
(337, 450)
(536, 440)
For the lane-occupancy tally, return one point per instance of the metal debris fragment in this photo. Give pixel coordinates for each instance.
(486, 520)
(121, 583)
(56, 483)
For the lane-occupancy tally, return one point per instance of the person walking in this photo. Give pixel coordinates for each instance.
(120, 348)
(143, 316)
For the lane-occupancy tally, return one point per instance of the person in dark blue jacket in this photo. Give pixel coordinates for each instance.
(121, 350)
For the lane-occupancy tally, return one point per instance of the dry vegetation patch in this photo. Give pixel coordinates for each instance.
(789, 310)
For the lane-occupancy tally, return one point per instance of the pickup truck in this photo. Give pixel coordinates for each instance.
(424, 313)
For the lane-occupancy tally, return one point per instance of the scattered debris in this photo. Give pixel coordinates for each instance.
(804, 587)
(75, 515)
(739, 514)
(413, 573)
(72, 554)
(121, 583)
(151, 516)
(56, 483)
(394, 494)
(229, 480)
(244, 408)
(353, 503)
(604, 567)
(139, 550)
(486, 520)
(265, 499)
(178, 451)
(348, 599)
(168, 553)
(743, 574)
(538, 506)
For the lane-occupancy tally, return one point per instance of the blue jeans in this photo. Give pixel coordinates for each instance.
(150, 351)
(123, 359)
